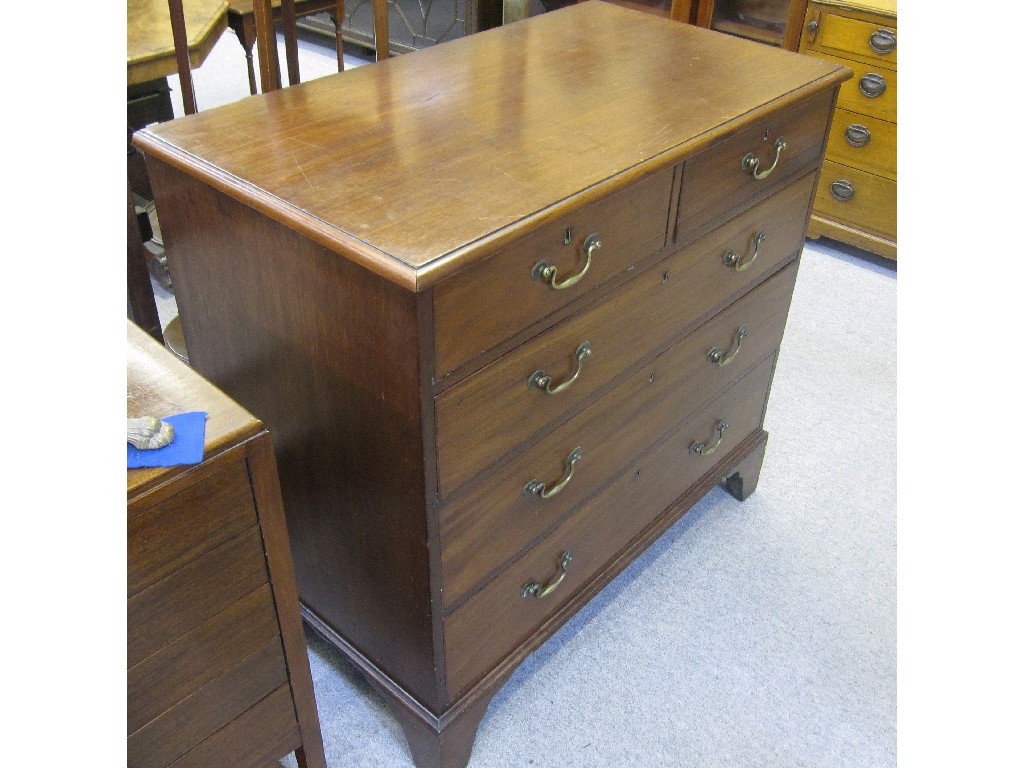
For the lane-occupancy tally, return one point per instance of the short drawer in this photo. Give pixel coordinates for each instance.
(479, 308)
(723, 176)
(846, 36)
(871, 91)
(485, 416)
(173, 606)
(863, 142)
(177, 530)
(857, 198)
(496, 518)
(503, 615)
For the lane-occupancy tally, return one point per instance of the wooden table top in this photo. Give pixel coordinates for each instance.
(422, 164)
(159, 384)
(151, 44)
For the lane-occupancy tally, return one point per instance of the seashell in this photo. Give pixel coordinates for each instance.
(148, 433)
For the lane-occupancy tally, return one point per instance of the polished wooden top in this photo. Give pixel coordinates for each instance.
(420, 165)
(159, 384)
(151, 44)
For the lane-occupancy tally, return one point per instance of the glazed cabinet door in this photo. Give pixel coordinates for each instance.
(774, 22)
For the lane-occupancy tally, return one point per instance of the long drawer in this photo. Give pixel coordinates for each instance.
(720, 178)
(179, 670)
(481, 307)
(863, 142)
(495, 519)
(482, 418)
(480, 633)
(163, 538)
(857, 198)
(165, 611)
(202, 714)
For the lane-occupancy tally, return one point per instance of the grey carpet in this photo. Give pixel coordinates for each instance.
(759, 634)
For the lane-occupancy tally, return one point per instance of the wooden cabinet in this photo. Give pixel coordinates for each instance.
(217, 665)
(856, 198)
(773, 22)
(509, 308)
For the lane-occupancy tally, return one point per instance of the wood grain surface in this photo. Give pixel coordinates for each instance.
(417, 166)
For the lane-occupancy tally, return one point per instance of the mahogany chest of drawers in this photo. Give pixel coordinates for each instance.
(856, 198)
(509, 306)
(217, 666)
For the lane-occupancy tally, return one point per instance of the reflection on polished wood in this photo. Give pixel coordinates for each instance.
(488, 106)
(151, 44)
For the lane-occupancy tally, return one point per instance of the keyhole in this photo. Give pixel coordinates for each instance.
(664, 277)
(766, 134)
(568, 235)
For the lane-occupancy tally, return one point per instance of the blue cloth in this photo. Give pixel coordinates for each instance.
(185, 448)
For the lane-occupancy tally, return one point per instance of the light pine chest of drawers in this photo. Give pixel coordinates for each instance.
(856, 198)
(509, 307)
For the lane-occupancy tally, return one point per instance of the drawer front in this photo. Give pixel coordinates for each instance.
(189, 722)
(871, 91)
(179, 670)
(256, 739)
(494, 519)
(162, 613)
(717, 180)
(484, 417)
(871, 40)
(863, 142)
(486, 304)
(483, 631)
(179, 529)
(860, 199)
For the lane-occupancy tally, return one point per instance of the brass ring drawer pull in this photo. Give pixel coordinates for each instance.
(548, 273)
(857, 135)
(715, 355)
(842, 190)
(872, 85)
(534, 589)
(540, 380)
(732, 259)
(882, 41)
(702, 449)
(752, 163)
(538, 488)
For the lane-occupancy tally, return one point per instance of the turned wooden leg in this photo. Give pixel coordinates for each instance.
(444, 743)
(742, 481)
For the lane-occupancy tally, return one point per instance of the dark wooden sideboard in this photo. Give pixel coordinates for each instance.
(510, 306)
(217, 668)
